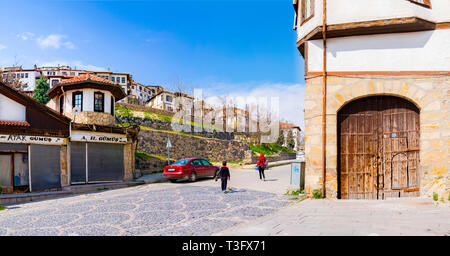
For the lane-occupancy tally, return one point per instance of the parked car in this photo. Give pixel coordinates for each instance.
(191, 169)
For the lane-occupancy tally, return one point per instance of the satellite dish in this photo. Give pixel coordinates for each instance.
(76, 110)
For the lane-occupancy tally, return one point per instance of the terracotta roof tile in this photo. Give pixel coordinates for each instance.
(14, 123)
(285, 125)
(86, 78)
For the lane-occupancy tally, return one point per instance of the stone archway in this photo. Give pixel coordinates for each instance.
(429, 94)
(378, 148)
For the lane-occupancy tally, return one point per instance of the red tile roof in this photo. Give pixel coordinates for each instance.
(86, 78)
(13, 123)
(285, 125)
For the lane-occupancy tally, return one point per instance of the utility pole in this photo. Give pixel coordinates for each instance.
(169, 145)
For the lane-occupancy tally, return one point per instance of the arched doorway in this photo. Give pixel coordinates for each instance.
(378, 148)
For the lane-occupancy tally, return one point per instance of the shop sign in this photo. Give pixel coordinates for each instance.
(23, 139)
(99, 137)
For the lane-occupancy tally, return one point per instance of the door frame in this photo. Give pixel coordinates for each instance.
(379, 166)
(11, 170)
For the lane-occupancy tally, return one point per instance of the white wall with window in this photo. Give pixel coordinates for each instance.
(89, 100)
(350, 11)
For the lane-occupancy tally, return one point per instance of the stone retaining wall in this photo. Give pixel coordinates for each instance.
(98, 118)
(167, 126)
(153, 142)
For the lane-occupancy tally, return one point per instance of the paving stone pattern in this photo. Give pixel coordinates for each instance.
(181, 210)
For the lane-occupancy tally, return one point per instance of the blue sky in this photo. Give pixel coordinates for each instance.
(225, 47)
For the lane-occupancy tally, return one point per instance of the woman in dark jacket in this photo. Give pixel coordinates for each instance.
(261, 165)
(224, 174)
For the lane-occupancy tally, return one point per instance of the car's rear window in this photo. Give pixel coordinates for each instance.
(181, 162)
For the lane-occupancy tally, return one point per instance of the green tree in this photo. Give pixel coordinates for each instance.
(280, 140)
(40, 91)
(290, 140)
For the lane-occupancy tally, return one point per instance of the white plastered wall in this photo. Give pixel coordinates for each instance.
(88, 101)
(10, 110)
(417, 51)
(350, 11)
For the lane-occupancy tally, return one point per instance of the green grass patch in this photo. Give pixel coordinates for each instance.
(269, 149)
(317, 194)
(147, 155)
(120, 111)
(294, 192)
(435, 196)
(235, 162)
(135, 184)
(2, 208)
(166, 131)
(102, 189)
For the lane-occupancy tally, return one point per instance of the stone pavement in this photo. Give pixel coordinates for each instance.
(179, 209)
(332, 217)
(256, 208)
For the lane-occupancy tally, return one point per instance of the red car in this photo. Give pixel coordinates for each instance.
(190, 168)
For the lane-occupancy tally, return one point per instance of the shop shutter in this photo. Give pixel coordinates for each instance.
(45, 167)
(78, 162)
(13, 147)
(105, 162)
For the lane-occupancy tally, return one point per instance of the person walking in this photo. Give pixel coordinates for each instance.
(224, 175)
(261, 165)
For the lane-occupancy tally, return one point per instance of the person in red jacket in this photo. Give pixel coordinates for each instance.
(261, 166)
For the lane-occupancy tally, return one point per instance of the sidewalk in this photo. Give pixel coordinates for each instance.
(152, 178)
(69, 190)
(332, 217)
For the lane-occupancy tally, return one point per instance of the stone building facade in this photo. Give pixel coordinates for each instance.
(381, 68)
(429, 93)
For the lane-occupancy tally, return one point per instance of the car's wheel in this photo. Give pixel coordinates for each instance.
(173, 180)
(193, 177)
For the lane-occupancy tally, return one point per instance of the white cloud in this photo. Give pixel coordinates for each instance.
(78, 64)
(2, 47)
(54, 41)
(291, 96)
(25, 35)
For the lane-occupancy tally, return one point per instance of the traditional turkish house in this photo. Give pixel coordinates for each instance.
(99, 150)
(377, 96)
(33, 144)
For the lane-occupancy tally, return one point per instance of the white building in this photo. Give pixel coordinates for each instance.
(25, 76)
(296, 134)
(143, 93)
(93, 97)
(166, 100)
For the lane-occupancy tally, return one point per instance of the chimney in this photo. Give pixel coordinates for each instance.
(109, 70)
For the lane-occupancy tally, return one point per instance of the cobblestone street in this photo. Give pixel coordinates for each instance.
(200, 208)
(157, 209)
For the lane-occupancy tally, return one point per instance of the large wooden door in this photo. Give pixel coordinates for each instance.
(378, 146)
